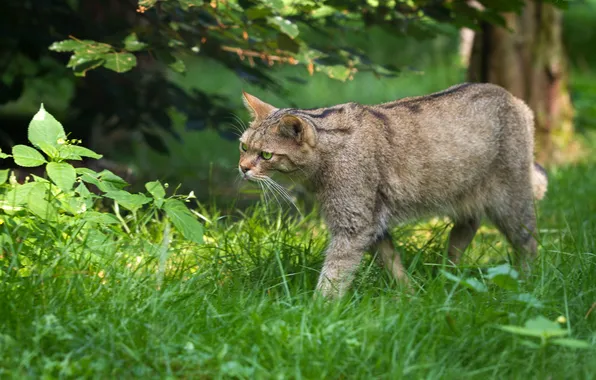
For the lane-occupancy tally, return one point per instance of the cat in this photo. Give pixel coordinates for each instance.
(465, 152)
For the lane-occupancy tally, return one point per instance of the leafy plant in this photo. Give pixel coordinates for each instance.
(62, 203)
(549, 332)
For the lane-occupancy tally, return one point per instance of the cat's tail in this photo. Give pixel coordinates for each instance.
(539, 181)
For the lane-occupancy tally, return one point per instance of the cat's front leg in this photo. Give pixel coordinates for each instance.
(343, 255)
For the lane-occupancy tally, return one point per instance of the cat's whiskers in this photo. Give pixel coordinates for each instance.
(282, 192)
(272, 190)
(238, 126)
(276, 190)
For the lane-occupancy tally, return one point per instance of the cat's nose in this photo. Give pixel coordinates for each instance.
(244, 169)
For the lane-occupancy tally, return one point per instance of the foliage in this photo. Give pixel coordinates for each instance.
(136, 41)
(63, 210)
(276, 32)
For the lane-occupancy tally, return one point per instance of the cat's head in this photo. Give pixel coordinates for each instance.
(276, 140)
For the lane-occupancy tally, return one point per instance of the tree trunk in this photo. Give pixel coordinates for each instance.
(530, 62)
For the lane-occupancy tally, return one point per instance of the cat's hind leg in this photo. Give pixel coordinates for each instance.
(516, 219)
(461, 236)
(391, 258)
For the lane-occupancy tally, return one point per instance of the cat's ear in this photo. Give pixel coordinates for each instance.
(258, 108)
(294, 127)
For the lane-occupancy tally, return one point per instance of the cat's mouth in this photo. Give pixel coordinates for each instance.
(250, 175)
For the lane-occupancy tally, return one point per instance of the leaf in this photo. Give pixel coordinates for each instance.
(88, 46)
(323, 11)
(81, 64)
(62, 174)
(75, 205)
(286, 43)
(503, 276)
(3, 176)
(3, 155)
(26, 156)
(38, 203)
(105, 181)
(100, 217)
(108, 177)
(537, 327)
(277, 5)
(82, 190)
(120, 62)
(132, 43)
(338, 72)
(186, 4)
(46, 133)
(284, 25)
(86, 55)
(178, 66)
(127, 200)
(184, 221)
(17, 196)
(157, 191)
(75, 152)
(470, 283)
(147, 3)
(572, 343)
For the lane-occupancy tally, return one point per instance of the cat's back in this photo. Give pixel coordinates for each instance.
(466, 98)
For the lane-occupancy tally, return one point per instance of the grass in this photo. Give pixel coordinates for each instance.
(241, 306)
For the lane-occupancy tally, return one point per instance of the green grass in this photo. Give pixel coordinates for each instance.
(241, 305)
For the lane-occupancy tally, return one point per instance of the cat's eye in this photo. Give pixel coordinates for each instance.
(266, 155)
(244, 147)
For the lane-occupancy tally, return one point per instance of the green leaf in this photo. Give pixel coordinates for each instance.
(132, 43)
(46, 133)
(87, 54)
(323, 11)
(470, 283)
(115, 181)
(26, 156)
(100, 217)
(38, 203)
(147, 3)
(184, 221)
(127, 200)
(284, 25)
(17, 196)
(572, 343)
(62, 174)
(82, 190)
(74, 205)
(105, 181)
(186, 4)
(76, 152)
(503, 276)
(338, 72)
(178, 66)
(157, 191)
(80, 64)
(537, 327)
(3, 176)
(277, 5)
(286, 43)
(91, 47)
(120, 62)
(3, 155)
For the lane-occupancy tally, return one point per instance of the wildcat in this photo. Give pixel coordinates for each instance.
(465, 152)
